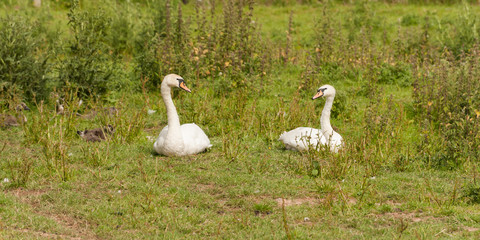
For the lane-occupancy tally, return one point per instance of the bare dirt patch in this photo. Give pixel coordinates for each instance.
(413, 217)
(389, 202)
(471, 229)
(311, 201)
(40, 234)
(296, 201)
(205, 187)
(27, 193)
(75, 228)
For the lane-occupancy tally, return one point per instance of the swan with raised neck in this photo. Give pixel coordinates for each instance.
(176, 139)
(303, 138)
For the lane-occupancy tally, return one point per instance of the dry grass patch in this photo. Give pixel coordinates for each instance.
(296, 201)
(74, 227)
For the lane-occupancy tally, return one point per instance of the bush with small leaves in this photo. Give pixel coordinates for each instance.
(87, 64)
(23, 59)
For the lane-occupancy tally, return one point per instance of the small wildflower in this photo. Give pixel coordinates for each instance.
(151, 138)
(150, 111)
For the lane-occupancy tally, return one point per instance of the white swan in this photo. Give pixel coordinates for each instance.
(303, 138)
(176, 140)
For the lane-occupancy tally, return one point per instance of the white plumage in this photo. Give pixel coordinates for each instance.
(303, 138)
(194, 139)
(176, 139)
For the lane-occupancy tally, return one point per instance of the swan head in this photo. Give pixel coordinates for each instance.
(325, 91)
(174, 80)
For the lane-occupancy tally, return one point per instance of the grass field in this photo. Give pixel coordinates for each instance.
(407, 107)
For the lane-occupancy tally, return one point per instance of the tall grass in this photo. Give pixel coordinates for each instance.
(449, 110)
(224, 49)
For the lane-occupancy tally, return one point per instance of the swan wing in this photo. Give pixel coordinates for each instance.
(302, 138)
(158, 145)
(336, 142)
(195, 139)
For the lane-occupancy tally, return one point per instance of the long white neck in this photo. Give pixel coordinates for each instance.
(173, 120)
(327, 129)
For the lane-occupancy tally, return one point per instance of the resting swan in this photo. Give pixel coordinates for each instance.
(303, 137)
(176, 140)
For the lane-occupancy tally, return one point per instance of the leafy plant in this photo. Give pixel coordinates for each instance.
(262, 208)
(87, 64)
(461, 33)
(399, 74)
(224, 51)
(20, 171)
(23, 58)
(471, 192)
(446, 100)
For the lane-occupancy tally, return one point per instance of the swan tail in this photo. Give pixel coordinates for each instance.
(281, 136)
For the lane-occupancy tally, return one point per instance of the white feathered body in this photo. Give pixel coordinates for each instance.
(193, 140)
(304, 138)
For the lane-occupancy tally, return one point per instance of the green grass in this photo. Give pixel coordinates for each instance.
(379, 187)
(133, 193)
(136, 195)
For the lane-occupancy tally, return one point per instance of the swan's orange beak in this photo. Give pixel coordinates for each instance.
(183, 86)
(319, 94)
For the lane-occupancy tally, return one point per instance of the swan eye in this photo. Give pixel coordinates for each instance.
(182, 85)
(180, 81)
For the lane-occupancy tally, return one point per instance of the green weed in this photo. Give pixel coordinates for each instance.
(23, 58)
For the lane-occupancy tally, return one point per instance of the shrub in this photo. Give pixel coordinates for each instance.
(446, 99)
(461, 33)
(410, 19)
(399, 74)
(471, 192)
(229, 49)
(121, 32)
(87, 64)
(147, 43)
(362, 20)
(23, 59)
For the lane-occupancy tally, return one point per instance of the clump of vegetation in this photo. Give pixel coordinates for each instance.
(471, 193)
(226, 47)
(87, 64)
(446, 101)
(23, 58)
(20, 171)
(460, 34)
